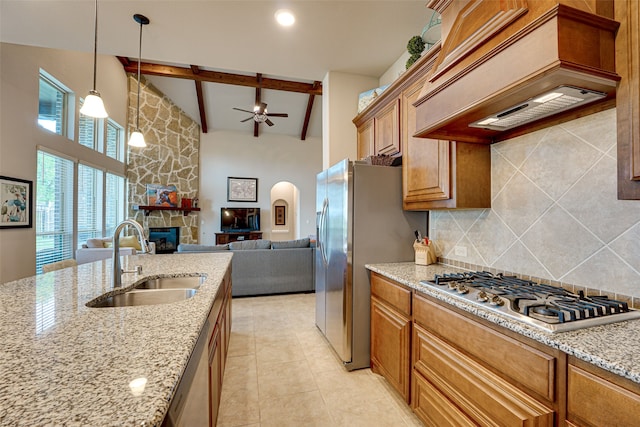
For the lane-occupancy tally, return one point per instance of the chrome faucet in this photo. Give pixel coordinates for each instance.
(117, 270)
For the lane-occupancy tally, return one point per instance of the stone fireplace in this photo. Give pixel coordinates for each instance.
(166, 239)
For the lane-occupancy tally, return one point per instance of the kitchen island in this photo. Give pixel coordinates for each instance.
(459, 362)
(63, 363)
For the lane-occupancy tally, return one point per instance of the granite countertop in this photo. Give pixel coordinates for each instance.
(614, 347)
(62, 363)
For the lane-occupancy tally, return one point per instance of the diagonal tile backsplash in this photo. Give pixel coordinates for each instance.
(555, 214)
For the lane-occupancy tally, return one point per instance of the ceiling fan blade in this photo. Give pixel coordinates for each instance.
(246, 120)
(277, 115)
(269, 122)
(240, 109)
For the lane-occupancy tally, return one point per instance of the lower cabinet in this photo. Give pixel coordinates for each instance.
(598, 398)
(218, 344)
(391, 333)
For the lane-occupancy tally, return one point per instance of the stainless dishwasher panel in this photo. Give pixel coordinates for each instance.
(190, 404)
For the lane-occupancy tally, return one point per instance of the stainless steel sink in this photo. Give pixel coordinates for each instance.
(191, 282)
(144, 297)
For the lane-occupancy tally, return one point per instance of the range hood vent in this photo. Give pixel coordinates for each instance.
(485, 85)
(560, 99)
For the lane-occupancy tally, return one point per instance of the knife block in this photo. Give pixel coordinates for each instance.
(425, 254)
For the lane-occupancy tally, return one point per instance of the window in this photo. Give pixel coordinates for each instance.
(54, 209)
(87, 130)
(114, 146)
(114, 203)
(52, 105)
(89, 223)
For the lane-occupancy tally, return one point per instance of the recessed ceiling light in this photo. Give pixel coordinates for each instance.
(285, 17)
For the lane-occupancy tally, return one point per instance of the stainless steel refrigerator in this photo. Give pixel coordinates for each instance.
(359, 220)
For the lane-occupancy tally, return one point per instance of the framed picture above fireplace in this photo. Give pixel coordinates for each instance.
(166, 239)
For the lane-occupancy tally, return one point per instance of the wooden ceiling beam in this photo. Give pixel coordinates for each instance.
(153, 69)
(307, 115)
(203, 114)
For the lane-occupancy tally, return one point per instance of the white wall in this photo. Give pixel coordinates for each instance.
(396, 70)
(339, 106)
(20, 134)
(271, 159)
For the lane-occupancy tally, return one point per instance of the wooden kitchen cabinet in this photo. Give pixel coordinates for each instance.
(391, 333)
(366, 138)
(380, 134)
(387, 129)
(218, 344)
(491, 378)
(598, 398)
(441, 174)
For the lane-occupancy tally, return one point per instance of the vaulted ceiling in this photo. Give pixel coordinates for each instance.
(221, 49)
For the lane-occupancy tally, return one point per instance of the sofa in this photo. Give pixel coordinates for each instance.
(99, 249)
(263, 267)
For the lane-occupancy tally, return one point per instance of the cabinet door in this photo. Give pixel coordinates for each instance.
(366, 137)
(387, 129)
(215, 377)
(594, 401)
(390, 346)
(427, 171)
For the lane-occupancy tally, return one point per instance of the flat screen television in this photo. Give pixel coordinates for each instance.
(239, 219)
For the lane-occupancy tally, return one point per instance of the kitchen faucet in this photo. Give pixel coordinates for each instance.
(117, 270)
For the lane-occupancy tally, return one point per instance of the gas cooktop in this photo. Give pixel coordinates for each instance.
(550, 308)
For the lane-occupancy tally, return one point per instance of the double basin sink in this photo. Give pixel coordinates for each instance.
(162, 290)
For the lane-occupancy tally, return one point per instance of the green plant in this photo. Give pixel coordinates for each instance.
(415, 46)
(413, 58)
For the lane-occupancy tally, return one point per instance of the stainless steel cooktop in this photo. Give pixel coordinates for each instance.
(550, 308)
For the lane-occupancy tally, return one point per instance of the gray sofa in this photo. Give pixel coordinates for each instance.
(262, 267)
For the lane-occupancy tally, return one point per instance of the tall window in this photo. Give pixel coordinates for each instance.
(52, 104)
(114, 202)
(114, 146)
(87, 130)
(54, 209)
(89, 222)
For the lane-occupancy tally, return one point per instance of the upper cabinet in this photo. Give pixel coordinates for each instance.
(508, 68)
(627, 12)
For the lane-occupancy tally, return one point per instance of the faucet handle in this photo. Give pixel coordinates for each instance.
(138, 270)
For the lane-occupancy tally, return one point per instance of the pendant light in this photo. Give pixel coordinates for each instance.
(137, 139)
(93, 105)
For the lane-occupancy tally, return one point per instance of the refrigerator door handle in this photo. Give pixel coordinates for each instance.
(322, 235)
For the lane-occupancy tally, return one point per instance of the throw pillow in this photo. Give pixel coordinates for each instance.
(289, 244)
(95, 243)
(130, 242)
(244, 245)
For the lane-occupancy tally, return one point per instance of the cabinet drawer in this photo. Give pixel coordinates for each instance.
(527, 366)
(433, 408)
(484, 396)
(595, 401)
(393, 294)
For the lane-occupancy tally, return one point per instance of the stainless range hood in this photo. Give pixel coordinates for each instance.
(562, 98)
(484, 85)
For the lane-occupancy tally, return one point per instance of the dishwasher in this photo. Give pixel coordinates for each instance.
(190, 404)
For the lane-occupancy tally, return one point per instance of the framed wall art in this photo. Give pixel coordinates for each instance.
(281, 215)
(242, 189)
(16, 203)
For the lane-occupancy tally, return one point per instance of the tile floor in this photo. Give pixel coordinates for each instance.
(281, 372)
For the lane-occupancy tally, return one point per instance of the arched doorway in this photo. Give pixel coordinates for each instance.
(285, 207)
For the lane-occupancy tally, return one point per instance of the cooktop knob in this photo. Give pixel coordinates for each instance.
(482, 296)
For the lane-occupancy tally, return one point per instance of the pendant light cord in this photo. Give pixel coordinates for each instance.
(95, 46)
(139, 59)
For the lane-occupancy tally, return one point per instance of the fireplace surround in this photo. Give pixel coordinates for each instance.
(166, 239)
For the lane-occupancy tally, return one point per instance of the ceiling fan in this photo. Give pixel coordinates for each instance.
(260, 114)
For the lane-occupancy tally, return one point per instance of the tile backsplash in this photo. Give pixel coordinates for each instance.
(555, 213)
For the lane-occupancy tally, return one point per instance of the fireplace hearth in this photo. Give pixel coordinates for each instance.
(166, 239)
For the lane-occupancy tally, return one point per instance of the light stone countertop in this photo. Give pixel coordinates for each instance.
(62, 363)
(614, 347)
